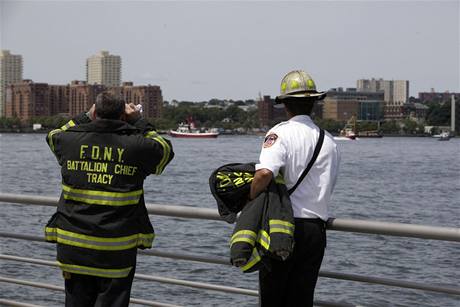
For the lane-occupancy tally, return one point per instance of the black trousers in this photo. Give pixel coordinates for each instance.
(87, 291)
(291, 283)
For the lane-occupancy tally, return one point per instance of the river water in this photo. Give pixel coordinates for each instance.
(407, 180)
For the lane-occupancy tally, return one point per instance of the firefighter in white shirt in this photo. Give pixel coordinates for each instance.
(288, 148)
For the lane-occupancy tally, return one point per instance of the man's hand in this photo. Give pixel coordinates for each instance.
(131, 113)
(92, 112)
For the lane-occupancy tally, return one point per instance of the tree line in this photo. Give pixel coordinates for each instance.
(213, 114)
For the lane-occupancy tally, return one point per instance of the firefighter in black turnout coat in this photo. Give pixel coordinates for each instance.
(101, 219)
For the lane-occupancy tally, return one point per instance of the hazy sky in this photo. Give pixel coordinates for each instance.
(227, 49)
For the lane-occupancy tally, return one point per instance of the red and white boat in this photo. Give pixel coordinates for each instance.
(348, 132)
(189, 130)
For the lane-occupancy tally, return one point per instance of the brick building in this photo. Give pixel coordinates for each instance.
(58, 99)
(82, 96)
(437, 96)
(149, 96)
(27, 99)
(270, 115)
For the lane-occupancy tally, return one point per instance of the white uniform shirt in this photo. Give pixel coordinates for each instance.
(288, 148)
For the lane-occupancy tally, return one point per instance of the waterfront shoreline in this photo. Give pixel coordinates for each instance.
(18, 131)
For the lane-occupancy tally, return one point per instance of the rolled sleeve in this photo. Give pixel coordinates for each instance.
(272, 157)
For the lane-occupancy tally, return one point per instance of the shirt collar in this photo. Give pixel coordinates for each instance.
(301, 119)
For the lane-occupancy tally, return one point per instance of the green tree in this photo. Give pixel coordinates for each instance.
(390, 127)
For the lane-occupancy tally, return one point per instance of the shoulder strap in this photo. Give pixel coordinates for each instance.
(312, 161)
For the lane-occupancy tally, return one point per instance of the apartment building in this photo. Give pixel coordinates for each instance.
(10, 72)
(27, 99)
(149, 96)
(103, 69)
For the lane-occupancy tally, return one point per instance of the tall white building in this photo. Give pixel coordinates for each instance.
(104, 68)
(400, 92)
(10, 72)
(396, 92)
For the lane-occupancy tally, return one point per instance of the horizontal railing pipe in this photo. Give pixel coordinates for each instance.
(395, 229)
(392, 282)
(350, 225)
(187, 283)
(59, 288)
(5, 302)
(327, 274)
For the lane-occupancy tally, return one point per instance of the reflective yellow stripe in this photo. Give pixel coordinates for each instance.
(166, 153)
(280, 179)
(247, 236)
(166, 150)
(101, 202)
(243, 239)
(281, 226)
(94, 197)
(244, 232)
(151, 134)
(255, 257)
(108, 273)
(71, 123)
(50, 138)
(282, 230)
(102, 193)
(281, 222)
(98, 243)
(264, 239)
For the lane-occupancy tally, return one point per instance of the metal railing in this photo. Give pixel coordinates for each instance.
(347, 225)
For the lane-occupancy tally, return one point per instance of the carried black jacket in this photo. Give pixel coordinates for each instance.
(101, 217)
(265, 228)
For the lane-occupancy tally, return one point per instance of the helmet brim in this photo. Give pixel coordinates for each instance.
(318, 95)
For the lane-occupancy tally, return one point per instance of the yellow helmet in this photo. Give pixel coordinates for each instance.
(298, 84)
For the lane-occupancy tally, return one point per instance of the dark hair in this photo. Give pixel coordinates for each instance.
(299, 105)
(109, 107)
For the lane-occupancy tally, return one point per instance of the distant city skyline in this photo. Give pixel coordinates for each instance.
(233, 50)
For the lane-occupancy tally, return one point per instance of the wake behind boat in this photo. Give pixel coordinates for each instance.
(189, 130)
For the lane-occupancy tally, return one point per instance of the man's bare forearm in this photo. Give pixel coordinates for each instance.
(260, 182)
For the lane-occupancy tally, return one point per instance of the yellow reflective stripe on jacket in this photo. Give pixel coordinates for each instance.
(281, 226)
(166, 150)
(86, 270)
(264, 239)
(280, 179)
(71, 123)
(94, 197)
(255, 257)
(247, 236)
(98, 243)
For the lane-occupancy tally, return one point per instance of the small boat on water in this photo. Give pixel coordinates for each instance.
(348, 132)
(443, 136)
(346, 135)
(189, 130)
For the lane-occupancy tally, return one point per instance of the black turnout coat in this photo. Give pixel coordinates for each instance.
(101, 217)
